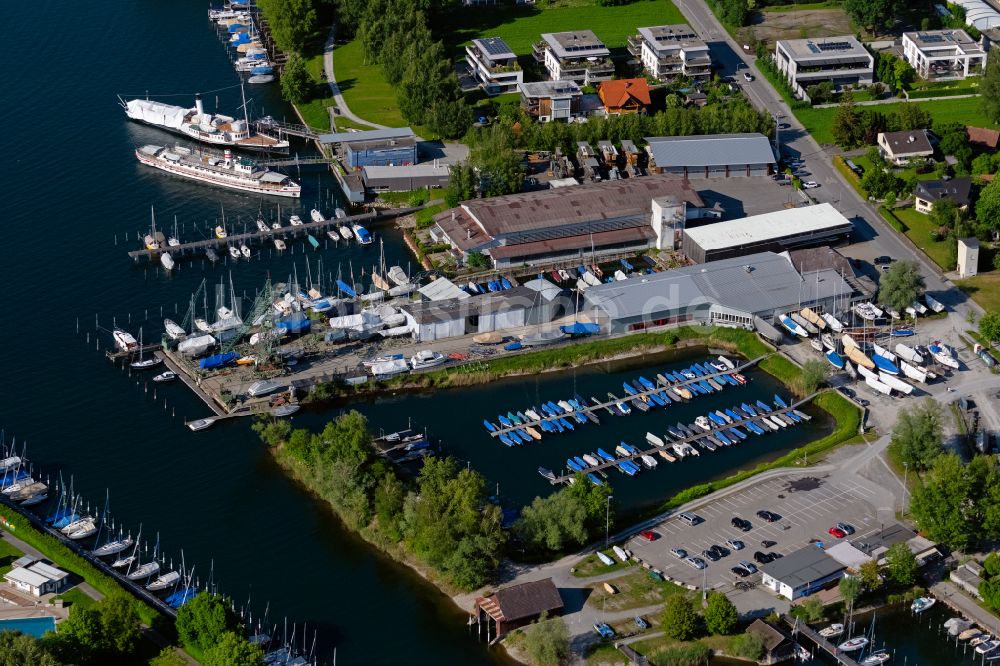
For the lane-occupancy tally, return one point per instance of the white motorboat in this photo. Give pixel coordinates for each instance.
(164, 582)
(913, 372)
(345, 233)
(868, 311)
(174, 332)
(167, 261)
(816, 344)
(427, 359)
(876, 658)
(920, 604)
(211, 255)
(919, 307)
(124, 340)
(234, 252)
(244, 250)
(196, 345)
(832, 631)
(655, 440)
(333, 235)
(316, 216)
(200, 424)
(167, 376)
(196, 124)
(828, 341)
(832, 322)
(398, 276)
(279, 245)
(362, 234)
(285, 410)
(703, 423)
(648, 461)
(295, 220)
(276, 225)
(263, 387)
(853, 644)
(77, 524)
(262, 226)
(339, 213)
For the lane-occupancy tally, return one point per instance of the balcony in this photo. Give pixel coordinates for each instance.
(538, 50)
(635, 45)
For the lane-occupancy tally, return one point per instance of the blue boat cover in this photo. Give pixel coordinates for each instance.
(580, 328)
(296, 323)
(885, 364)
(342, 286)
(236, 27)
(513, 346)
(217, 361)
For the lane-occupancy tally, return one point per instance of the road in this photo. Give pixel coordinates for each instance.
(872, 235)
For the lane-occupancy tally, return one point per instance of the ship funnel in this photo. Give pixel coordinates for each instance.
(199, 107)
(228, 157)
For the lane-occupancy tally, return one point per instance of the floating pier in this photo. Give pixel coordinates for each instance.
(823, 644)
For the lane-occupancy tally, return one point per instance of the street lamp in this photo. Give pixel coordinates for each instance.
(906, 476)
(607, 520)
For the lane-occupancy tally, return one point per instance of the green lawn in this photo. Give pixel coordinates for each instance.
(918, 230)
(364, 88)
(76, 599)
(801, 7)
(592, 566)
(8, 554)
(635, 590)
(522, 26)
(984, 289)
(819, 122)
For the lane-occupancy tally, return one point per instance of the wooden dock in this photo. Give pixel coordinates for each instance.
(189, 381)
(286, 232)
(823, 644)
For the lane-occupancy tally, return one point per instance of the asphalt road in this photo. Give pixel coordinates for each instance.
(870, 230)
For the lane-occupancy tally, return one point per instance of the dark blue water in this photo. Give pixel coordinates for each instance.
(75, 199)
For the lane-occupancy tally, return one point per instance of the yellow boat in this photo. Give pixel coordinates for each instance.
(534, 433)
(246, 360)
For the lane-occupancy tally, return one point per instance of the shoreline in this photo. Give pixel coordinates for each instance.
(736, 342)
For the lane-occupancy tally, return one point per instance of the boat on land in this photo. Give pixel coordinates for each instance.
(908, 353)
(933, 303)
(792, 326)
(835, 325)
(223, 170)
(943, 354)
(263, 387)
(835, 359)
(398, 276)
(193, 123)
(804, 323)
(427, 359)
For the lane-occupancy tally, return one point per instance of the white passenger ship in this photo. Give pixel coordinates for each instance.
(223, 170)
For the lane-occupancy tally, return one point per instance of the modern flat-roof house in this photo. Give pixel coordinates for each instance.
(36, 578)
(901, 147)
(595, 219)
(802, 572)
(511, 607)
(669, 51)
(943, 54)
(624, 96)
(551, 100)
(843, 61)
(577, 56)
(711, 155)
(404, 178)
(380, 152)
(821, 224)
(733, 292)
(929, 192)
(494, 65)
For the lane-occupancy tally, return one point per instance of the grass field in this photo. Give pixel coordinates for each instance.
(635, 590)
(984, 289)
(364, 88)
(8, 554)
(918, 230)
(76, 599)
(591, 566)
(522, 26)
(819, 122)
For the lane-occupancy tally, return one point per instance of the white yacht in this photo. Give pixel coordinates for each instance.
(222, 170)
(263, 387)
(427, 359)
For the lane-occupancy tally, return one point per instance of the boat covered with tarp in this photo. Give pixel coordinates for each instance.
(580, 329)
(217, 361)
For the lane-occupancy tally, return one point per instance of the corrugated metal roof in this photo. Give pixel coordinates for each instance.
(367, 135)
(442, 289)
(772, 283)
(406, 171)
(804, 566)
(600, 239)
(710, 150)
(769, 226)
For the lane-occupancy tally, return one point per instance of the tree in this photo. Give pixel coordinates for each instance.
(296, 84)
(547, 641)
(168, 657)
(120, 623)
(873, 14)
(105, 631)
(901, 285)
(17, 649)
(989, 87)
(721, 615)
(749, 646)
(890, 200)
(813, 374)
(813, 609)
(553, 522)
(901, 564)
(988, 205)
(869, 575)
(476, 260)
(944, 213)
(679, 619)
(203, 620)
(918, 435)
(850, 590)
(847, 128)
(233, 650)
(989, 326)
(939, 502)
(292, 23)
(992, 564)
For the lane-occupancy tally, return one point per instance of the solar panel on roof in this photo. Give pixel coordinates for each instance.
(495, 46)
(812, 47)
(932, 39)
(834, 46)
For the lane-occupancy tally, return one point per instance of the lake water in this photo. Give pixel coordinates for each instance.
(75, 200)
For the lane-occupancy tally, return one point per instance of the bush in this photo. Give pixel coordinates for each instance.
(748, 646)
(693, 654)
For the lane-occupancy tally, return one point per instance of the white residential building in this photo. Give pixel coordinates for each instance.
(901, 147)
(494, 65)
(669, 51)
(943, 54)
(36, 578)
(843, 61)
(574, 56)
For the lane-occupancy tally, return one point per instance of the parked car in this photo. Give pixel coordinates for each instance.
(740, 571)
(767, 543)
(696, 562)
(768, 516)
(710, 554)
(810, 184)
(741, 524)
(748, 566)
(761, 558)
(837, 532)
(691, 518)
(735, 544)
(649, 535)
(640, 622)
(719, 550)
(747, 76)
(847, 528)
(679, 553)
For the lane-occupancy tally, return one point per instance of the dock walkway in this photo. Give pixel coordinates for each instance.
(821, 643)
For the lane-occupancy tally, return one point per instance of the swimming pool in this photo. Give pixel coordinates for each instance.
(34, 626)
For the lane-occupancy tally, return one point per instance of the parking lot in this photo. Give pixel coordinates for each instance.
(807, 505)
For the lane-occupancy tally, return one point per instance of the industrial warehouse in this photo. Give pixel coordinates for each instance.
(731, 292)
(712, 156)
